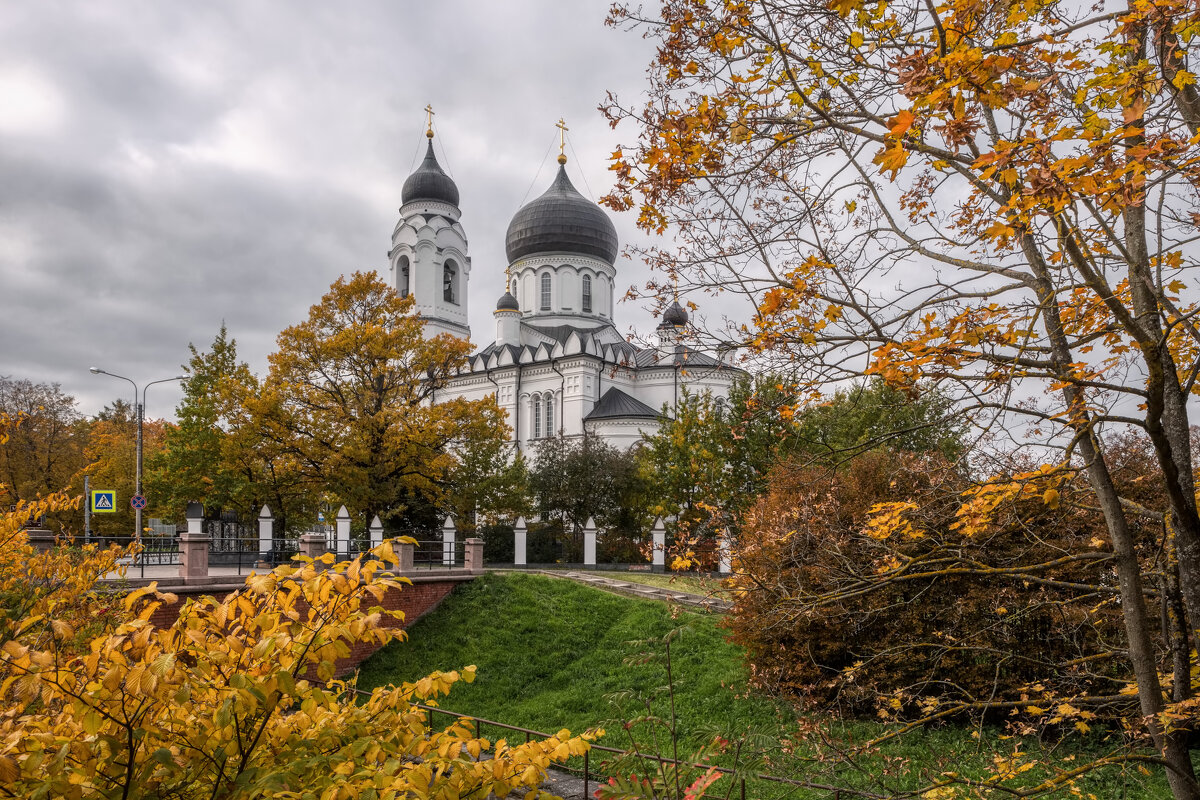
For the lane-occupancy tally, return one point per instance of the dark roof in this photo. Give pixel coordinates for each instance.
(675, 315)
(683, 356)
(429, 182)
(493, 349)
(615, 404)
(690, 357)
(561, 220)
(507, 303)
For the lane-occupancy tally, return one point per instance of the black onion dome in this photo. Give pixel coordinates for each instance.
(507, 303)
(675, 315)
(429, 182)
(561, 220)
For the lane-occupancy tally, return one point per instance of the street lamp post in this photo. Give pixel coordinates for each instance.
(141, 404)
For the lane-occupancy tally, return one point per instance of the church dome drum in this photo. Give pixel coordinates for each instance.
(561, 221)
(429, 182)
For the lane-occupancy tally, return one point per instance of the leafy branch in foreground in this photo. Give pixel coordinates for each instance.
(236, 699)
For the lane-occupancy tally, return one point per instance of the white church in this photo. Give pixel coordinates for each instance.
(557, 364)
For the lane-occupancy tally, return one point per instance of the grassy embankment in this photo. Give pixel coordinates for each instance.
(548, 651)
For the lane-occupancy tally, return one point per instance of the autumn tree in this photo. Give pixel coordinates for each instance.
(490, 483)
(711, 462)
(996, 199)
(195, 464)
(43, 454)
(871, 415)
(347, 403)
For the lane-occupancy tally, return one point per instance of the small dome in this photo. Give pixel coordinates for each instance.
(507, 303)
(561, 220)
(429, 182)
(675, 315)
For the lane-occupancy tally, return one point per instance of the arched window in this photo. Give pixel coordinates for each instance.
(402, 278)
(587, 294)
(537, 416)
(549, 414)
(545, 306)
(450, 282)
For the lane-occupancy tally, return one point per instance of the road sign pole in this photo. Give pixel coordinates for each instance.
(87, 511)
(137, 512)
(139, 400)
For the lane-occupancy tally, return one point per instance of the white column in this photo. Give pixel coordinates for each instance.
(659, 554)
(725, 554)
(448, 531)
(376, 532)
(520, 533)
(589, 543)
(266, 531)
(342, 529)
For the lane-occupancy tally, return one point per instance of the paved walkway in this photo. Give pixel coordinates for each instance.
(644, 590)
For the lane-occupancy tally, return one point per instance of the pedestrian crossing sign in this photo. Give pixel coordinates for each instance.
(104, 501)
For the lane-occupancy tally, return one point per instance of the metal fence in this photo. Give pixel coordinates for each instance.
(439, 554)
(589, 774)
(238, 552)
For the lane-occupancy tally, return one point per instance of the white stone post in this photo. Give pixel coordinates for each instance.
(376, 532)
(342, 529)
(448, 531)
(658, 558)
(725, 553)
(266, 532)
(589, 543)
(520, 534)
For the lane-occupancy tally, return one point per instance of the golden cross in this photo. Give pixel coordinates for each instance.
(562, 140)
(429, 121)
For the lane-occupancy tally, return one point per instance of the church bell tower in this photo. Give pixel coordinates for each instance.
(429, 248)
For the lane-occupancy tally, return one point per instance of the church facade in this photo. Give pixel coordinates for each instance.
(557, 364)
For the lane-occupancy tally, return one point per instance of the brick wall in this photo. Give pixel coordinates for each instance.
(415, 601)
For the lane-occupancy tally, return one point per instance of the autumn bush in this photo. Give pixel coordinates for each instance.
(236, 699)
(875, 589)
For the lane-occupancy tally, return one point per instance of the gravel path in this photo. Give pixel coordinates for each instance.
(642, 590)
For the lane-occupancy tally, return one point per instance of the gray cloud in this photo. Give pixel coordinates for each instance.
(165, 167)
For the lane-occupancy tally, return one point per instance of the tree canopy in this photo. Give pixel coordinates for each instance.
(996, 199)
(195, 463)
(348, 402)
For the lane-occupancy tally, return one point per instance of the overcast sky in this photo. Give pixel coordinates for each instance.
(166, 166)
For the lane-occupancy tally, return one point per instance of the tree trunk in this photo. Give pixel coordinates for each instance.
(1171, 745)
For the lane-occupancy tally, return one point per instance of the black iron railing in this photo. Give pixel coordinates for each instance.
(589, 776)
(438, 554)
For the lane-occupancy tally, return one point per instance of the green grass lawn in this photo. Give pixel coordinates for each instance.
(548, 651)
